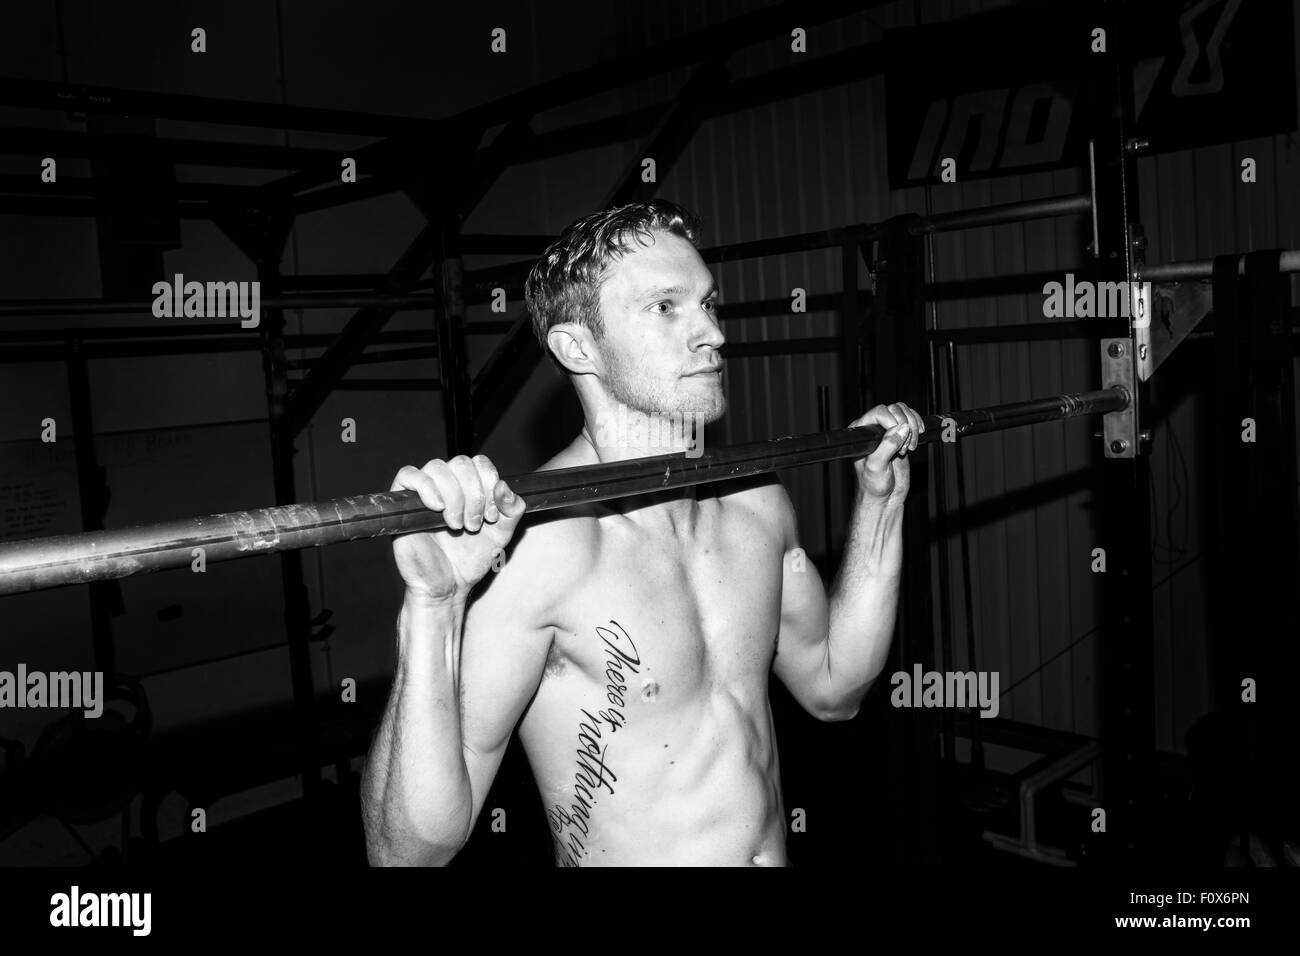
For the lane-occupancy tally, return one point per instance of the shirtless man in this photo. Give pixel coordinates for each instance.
(630, 641)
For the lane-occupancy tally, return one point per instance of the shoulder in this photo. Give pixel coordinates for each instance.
(762, 498)
(549, 551)
(571, 532)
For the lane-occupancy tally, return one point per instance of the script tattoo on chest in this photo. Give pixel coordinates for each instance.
(594, 778)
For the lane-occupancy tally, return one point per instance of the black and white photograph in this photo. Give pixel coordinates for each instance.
(851, 437)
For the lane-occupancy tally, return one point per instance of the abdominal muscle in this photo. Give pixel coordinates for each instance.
(695, 782)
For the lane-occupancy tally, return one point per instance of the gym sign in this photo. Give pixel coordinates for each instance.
(973, 98)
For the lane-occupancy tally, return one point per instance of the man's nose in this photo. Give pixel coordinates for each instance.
(710, 332)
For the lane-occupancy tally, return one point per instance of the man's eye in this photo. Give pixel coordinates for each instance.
(710, 304)
(659, 305)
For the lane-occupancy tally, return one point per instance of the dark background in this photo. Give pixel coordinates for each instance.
(182, 434)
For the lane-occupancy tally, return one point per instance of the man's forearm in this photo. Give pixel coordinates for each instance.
(864, 599)
(416, 795)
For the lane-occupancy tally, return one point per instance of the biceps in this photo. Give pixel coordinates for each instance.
(500, 672)
(801, 641)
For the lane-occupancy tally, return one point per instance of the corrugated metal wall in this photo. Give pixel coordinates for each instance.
(818, 161)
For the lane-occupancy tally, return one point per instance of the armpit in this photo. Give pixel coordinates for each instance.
(555, 663)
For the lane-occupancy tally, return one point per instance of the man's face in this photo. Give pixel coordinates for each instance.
(661, 341)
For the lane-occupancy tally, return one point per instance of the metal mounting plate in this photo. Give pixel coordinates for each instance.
(1119, 429)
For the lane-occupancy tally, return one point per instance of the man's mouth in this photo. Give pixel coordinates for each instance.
(712, 370)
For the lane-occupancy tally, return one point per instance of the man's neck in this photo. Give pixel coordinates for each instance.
(679, 506)
(646, 436)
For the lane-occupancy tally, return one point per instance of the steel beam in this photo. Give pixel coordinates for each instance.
(359, 332)
(67, 97)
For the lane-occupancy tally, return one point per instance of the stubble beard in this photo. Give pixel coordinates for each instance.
(676, 398)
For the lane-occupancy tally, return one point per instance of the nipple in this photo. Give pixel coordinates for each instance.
(649, 690)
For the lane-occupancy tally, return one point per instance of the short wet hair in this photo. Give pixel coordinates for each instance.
(564, 285)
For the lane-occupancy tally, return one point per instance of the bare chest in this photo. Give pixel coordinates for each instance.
(661, 618)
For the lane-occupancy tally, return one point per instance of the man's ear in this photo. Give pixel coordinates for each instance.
(573, 347)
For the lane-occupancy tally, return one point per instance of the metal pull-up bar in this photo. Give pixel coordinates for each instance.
(1288, 261)
(39, 563)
